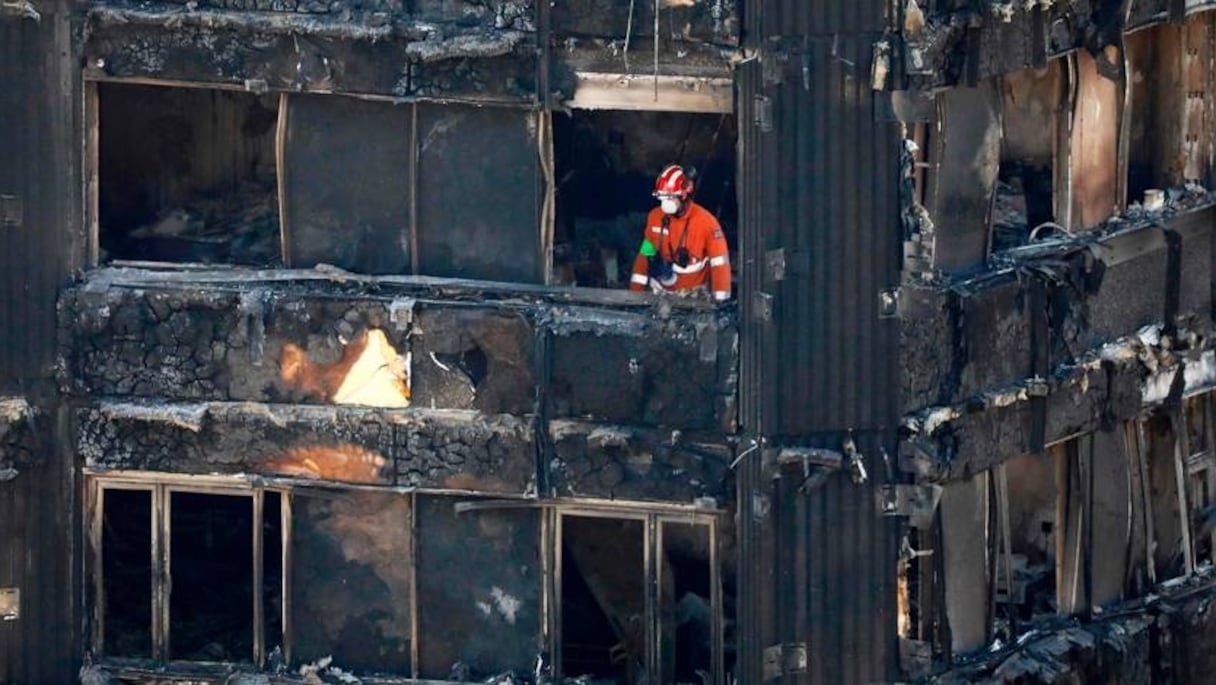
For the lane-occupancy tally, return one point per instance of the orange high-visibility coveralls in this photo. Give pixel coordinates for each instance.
(708, 258)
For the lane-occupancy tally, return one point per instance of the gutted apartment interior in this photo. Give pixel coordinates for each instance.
(1056, 350)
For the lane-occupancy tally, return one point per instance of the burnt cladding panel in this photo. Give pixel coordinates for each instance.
(39, 177)
(478, 193)
(837, 221)
(347, 177)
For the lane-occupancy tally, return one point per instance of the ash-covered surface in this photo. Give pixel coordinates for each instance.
(621, 462)
(474, 358)
(408, 448)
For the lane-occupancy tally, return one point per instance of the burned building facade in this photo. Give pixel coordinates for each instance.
(318, 363)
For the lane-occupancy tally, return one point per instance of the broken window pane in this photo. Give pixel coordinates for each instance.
(603, 598)
(187, 175)
(126, 567)
(211, 566)
(686, 604)
(606, 162)
(479, 587)
(350, 582)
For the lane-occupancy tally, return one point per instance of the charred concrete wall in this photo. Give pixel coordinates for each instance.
(282, 380)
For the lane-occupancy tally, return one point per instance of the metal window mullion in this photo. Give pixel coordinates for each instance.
(285, 521)
(652, 538)
(161, 580)
(96, 528)
(259, 619)
(556, 638)
(1209, 425)
(415, 616)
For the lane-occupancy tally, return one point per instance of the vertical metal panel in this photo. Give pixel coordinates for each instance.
(38, 524)
(39, 164)
(818, 197)
(836, 220)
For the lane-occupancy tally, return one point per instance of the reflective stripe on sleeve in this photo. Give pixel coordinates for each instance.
(721, 295)
(640, 279)
(717, 261)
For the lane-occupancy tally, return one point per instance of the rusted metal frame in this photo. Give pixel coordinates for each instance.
(259, 548)
(1181, 451)
(92, 173)
(1141, 453)
(285, 520)
(280, 173)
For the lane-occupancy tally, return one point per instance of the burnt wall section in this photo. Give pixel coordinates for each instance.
(18, 437)
(1061, 340)
(307, 343)
(629, 463)
(440, 450)
(1160, 639)
(641, 368)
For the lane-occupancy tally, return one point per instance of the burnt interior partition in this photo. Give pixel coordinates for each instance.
(347, 183)
(351, 590)
(187, 175)
(606, 162)
(1030, 590)
(479, 193)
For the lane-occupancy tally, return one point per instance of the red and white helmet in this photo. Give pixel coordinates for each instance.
(673, 182)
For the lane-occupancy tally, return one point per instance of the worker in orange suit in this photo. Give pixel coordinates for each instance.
(683, 249)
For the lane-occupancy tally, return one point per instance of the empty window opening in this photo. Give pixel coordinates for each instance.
(126, 571)
(686, 603)
(1025, 190)
(176, 577)
(187, 175)
(606, 162)
(1031, 482)
(1167, 554)
(210, 606)
(603, 599)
